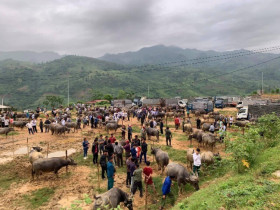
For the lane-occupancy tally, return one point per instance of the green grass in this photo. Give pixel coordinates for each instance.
(79, 159)
(12, 133)
(175, 154)
(38, 197)
(253, 189)
(136, 129)
(9, 175)
(180, 137)
(76, 204)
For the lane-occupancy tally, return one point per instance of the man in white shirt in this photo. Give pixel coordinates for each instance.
(6, 122)
(212, 128)
(34, 125)
(63, 122)
(196, 161)
(230, 121)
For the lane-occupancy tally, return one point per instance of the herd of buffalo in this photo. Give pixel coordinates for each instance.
(115, 196)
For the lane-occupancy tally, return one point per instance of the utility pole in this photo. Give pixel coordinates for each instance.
(148, 90)
(2, 103)
(68, 91)
(262, 83)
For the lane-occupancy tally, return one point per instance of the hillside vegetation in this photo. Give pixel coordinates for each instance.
(25, 84)
(249, 182)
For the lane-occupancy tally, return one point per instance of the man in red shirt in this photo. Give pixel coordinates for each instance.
(177, 123)
(112, 139)
(147, 171)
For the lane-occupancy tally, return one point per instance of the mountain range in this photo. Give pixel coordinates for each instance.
(166, 71)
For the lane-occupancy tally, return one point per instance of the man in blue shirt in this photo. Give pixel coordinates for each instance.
(133, 152)
(166, 189)
(85, 147)
(110, 173)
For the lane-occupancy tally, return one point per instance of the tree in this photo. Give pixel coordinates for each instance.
(108, 97)
(53, 101)
(96, 94)
(121, 94)
(277, 90)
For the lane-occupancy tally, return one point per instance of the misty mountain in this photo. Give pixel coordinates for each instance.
(24, 84)
(30, 56)
(157, 54)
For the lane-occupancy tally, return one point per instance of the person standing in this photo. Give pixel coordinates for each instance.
(34, 125)
(41, 126)
(94, 150)
(161, 126)
(188, 113)
(212, 128)
(112, 139)
(103, 163)
(119, 152)
(6, 122)
(134, 152)
(110, 149)
(143, 132)
(177, 123)
(110, 173)
(144, 149)
(168, 136)
(166, 188)
(123, 131)
(196, 161)
(132, 168)
(127, 149)
(85, 147)
(137, 181)
(198, 123)
(47, 123)
(101, 144)
(230, 121)
(129, 133)
(148, 171)
(29, 126)
(128, 175)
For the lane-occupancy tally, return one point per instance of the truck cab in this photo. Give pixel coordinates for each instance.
(219, 104)
(243, 113)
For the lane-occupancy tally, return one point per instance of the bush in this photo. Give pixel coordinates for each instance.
(245, 148)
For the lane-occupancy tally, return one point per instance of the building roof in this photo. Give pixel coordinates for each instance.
(4, 107)
(95, 101)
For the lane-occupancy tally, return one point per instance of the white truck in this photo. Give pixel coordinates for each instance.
(243, 113)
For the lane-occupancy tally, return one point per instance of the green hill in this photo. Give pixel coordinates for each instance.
(25, 84)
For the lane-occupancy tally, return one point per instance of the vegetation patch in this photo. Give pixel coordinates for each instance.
(38, 197)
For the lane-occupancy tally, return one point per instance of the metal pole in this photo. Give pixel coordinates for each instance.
(148, 90)
(262, 82)
(68, 91)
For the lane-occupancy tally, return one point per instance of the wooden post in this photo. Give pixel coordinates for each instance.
(98, 178)
(183, 124)
(166, 122)
(66, 159)
(48, 149)
(243, 131)
(27, 145)
(146, 196)
(13, 146)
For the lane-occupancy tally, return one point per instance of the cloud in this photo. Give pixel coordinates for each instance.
(94, 27)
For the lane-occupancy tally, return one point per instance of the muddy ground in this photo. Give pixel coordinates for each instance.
(81, 181)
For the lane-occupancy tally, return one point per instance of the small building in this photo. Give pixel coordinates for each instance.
(122, 103)
(151, 102)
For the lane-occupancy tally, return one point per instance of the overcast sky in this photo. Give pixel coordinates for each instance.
(96, 27)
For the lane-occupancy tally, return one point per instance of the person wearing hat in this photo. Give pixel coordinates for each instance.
(110, 173)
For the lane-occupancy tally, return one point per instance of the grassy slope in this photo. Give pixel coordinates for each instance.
(255, 189)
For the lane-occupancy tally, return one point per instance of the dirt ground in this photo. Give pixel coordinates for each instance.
(81, 180)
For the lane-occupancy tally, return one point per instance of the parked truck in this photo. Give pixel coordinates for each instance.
(201, 105)
(257, 110)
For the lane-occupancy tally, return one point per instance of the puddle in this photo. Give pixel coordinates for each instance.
(20, 151)
(61, 153)
(5, 160)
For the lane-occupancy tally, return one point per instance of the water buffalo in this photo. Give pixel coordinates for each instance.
(152, 132)
(242, 123)
(207, 157)
(162, 158)
(72, 125)
(111, 199)
(49, 165)
(206, 126)
(112, 126)
(188, 127)
(182, 175)
(6, 131)
(35, 154)
(58, 129)
(209, 140)
(19, 124)
(197, 134)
